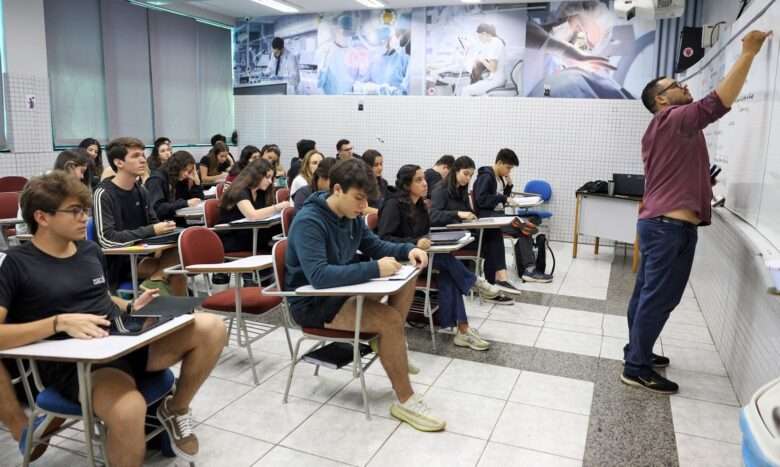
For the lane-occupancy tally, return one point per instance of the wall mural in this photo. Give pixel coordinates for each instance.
(557, 49)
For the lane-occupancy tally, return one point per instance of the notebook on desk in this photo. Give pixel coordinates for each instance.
(401, 275)
(164, 239)
(448, 237)
(267, 220)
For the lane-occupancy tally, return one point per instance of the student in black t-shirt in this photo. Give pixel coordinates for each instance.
(215, 165)
(435, 175)
(174, 186)
(249, 196)
(56, 285)
(375, 160)
(123, 215)
(320, 181)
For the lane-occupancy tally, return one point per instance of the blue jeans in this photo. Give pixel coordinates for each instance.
(667, 256)
(455, 280)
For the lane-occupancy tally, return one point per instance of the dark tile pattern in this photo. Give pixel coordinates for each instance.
(621, 286)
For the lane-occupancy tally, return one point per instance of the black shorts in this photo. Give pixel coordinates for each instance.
(314, 312)
(64, 377)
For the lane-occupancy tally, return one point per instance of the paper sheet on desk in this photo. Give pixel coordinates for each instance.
(526, 201)
(211, 191)
(402, 274)
(253, 221)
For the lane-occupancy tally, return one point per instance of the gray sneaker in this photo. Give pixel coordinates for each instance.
(486, 289)
(471, 339)
(537, 276)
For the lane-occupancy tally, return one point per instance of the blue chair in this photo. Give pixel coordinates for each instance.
(154, 387)
(544, 191)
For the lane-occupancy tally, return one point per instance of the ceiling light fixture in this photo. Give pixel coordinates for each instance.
(279, 6)
(471, 1)
(371, 3)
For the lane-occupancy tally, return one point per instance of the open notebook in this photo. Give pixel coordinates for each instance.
(401, 275)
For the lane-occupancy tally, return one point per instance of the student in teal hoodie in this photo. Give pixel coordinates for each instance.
(323, 241)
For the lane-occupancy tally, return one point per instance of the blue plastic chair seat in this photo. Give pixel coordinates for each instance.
(153, 387)
(539, 214)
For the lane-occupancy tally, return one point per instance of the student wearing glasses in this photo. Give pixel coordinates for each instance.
(678, 192)
(56, 285)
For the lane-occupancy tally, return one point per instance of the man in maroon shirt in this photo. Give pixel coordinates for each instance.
(678, 190)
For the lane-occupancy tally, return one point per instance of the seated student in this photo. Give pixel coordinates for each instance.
(303, 146)
(249, 196)
(248, 154)
(221, 139)
(320, 181)
(96, 170)
(438, 173)
(160, 153)
(310, 163)
(123, 215)
(273, 154)
(55, 285)
(450, 204)
(214, 166)
(324, 238)
(173, 186)
(492, 191)
(375, 160)
(344, 150)
(404, 219)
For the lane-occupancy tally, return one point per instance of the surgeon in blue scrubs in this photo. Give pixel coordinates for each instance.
(391, 67)
(336, 74)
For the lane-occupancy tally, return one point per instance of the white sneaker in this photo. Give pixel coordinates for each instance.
(471, 339)
(417, 414)
(486, 289)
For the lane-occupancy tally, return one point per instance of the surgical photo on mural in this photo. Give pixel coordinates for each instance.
(555, 49)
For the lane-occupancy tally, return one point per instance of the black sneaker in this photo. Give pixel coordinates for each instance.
(498, 300)
(653, 383)
(659, 361)
(508, 288)
(537, 276)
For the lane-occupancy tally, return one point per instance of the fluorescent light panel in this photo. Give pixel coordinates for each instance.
(279, 6)
(471, 1)
(371, 3)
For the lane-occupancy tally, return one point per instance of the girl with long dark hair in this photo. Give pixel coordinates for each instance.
(214, 166)
(173, 186)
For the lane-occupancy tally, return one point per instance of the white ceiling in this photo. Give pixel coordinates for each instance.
(248, 8)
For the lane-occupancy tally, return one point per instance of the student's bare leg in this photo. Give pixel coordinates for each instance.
(118, 403)
(402, 301)
(389, 324)
(198, 347)
(11, 413)
(502, 275)
(153, 268)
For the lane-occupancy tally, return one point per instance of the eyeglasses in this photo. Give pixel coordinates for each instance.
(75, 211)
(674, 85)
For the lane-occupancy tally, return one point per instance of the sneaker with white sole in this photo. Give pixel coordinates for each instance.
(179, 427)
(508, 288)
(417, 414)
(43, 426)
(499, 300)
(471, 339)
(537, 276)
(485, 288)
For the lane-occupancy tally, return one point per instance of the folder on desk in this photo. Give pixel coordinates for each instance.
(448, 237)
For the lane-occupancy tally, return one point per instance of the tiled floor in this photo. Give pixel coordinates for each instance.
(546, 394)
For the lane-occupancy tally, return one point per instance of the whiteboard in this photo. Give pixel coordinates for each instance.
(745, 141)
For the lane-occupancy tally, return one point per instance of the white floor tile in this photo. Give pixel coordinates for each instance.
(612, 347)
(703, 387)
(281, 456)
(689, 317)
(553, 392)
(706, 420)
(501, 331)
(497, 454)
(307, 386)
(597, 293)
(476, 309)
(688, 303)
(341, 434)
(466, 414)
(700, 361)
(409, 447)
(699, 452)
(380, 395)
(585, 319)
(572, 342)
(236, 367)
(276, 342)
(216, 446)
(573, 328)
(478, 378)
(214, 395)
(520, 313)
(431, 367)
(687, 332)
(551, 431)
(615, 326)
(261, 414)
(683, 344)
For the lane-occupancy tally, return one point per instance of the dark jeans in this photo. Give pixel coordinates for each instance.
(494, 253)
(667, 256)
(454, 282)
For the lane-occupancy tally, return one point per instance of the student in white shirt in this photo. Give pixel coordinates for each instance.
(310, 163)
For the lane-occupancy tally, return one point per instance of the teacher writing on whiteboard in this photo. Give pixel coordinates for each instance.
(678, 190)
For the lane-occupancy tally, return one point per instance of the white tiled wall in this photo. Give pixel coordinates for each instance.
(729, 281)
(564, 141)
